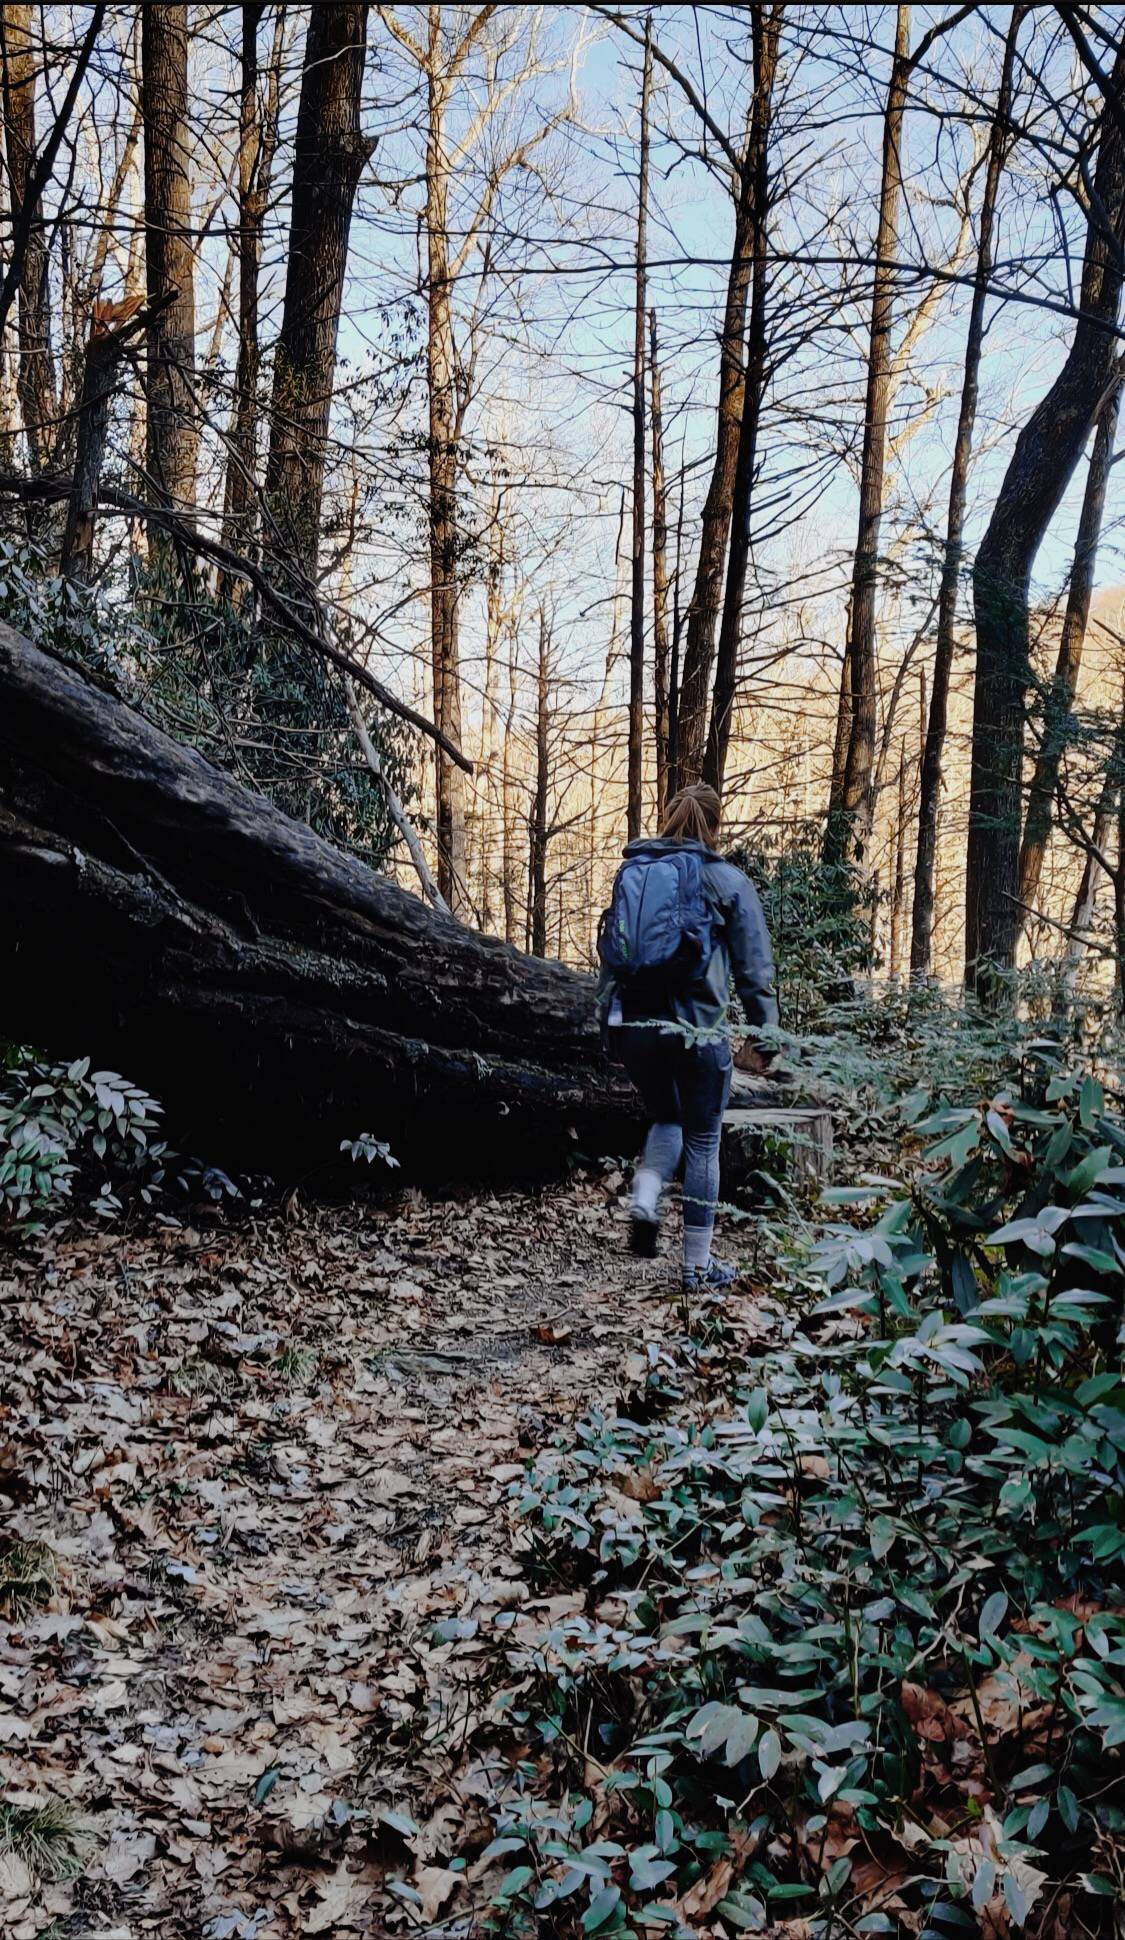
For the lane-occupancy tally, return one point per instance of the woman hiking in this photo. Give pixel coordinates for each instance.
(681, 925)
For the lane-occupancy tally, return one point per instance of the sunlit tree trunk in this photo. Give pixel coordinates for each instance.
(898, 891)
(36, 381)
(257, 143)
(635, 802)
(1086, 900)
(172, 438)
(849, 831)
(660, 644)
(539, 828)
(441, 367)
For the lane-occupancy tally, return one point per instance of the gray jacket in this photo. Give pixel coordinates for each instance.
(742, 948)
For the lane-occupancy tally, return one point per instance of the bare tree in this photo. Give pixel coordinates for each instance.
(330, 152)
(714, 526)
(453, 36)
(257, 144)
(1059, 698)
(172, 437)
(36, 380)
(849, 827)
(766, 31)
(635, 805)
(1047, 451)
(660, 642)
(538, 827)
(929, 798)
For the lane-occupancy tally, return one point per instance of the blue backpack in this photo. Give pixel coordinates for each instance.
(656, 935)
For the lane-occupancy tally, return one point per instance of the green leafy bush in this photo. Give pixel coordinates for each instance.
(854, 1638)
(62, 1124)
(819, 917)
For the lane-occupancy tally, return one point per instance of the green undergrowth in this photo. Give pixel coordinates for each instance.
(845, 1644)
(51, 1840)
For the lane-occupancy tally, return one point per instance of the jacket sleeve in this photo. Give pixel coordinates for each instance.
(750, 955)
(603, 995)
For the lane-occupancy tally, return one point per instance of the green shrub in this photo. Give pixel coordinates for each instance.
(819, 917)
(855, 1638)
(62, 1125)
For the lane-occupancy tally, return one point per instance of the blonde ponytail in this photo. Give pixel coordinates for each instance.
(694, 814)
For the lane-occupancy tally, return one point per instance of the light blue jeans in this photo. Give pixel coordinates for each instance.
(685, 1087)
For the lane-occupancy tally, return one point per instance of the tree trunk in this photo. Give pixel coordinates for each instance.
(703, 611)
(898, 891)
(840, 737)
(240, 498)
(172, 435)
(850, 833)
(275, 994)
(1047, 451)
(1060, 696)
(635, 796)
(1086, 901)
(36, 384)
(104, 351)
(661, 669)
(766, 27)
(677, 636)
(922, 925)
(1119, 900)
(539, 832)
(441, 376)
(330, 151)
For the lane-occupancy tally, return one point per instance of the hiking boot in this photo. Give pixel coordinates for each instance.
(710, 1278)
(643, 1234)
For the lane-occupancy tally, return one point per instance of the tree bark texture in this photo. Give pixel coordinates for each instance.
(660, 645)
(852, 833)
(703, 611)
(1059, 698)
(36, 382)
(929, 795)
(274, 993)
(766, 28)
(540, 834)
(330, 152)
(636, 751)
(172, 433)
(240, 498)
(1086, 899)
(444, 415)
(1047, 451)
(105, 349)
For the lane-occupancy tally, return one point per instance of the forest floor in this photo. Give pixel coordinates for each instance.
(273, 1462)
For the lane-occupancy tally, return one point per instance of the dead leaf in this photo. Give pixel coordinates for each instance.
(340, 1901)
(435, 1886)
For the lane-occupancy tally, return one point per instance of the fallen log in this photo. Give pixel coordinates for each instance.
(274, 993)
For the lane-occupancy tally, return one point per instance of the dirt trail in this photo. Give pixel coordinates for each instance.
(273, 1463)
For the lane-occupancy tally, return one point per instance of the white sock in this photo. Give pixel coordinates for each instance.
(646, 1191)
(697, 1245)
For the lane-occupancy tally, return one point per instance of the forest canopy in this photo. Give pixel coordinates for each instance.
(733, 393)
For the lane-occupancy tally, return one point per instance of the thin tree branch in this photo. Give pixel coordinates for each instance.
(59, 486)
